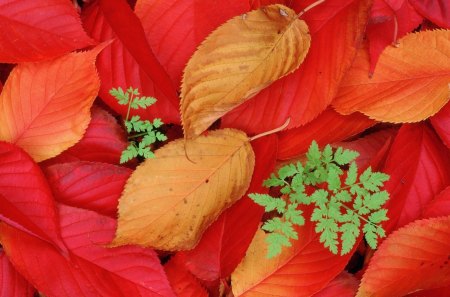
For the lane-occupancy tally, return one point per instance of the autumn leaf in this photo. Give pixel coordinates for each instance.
(439, 206)
(344, 285)
(44, 106)
(238, 60)
(38, 30)
(13, 284)
(410, 83)
(434, 10)
(90, 185)
(414, 257)
(90, 269)
(441, 123)
(169, 201)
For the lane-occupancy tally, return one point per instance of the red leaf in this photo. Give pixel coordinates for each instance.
(445, 291)
(93, 186)
(418, 165)
(369, 146)
(439, 206)
(328, 127)
(381, 28)
(90, 269)
(122, 65)
(437, 11)
(25, 197)
(12, 284)
(225, 242)
(414, 257)
(37, 30)
(103, 141)
(304, 94)
(344, 285)
(441, 123)
(183, 282)
(174, 39)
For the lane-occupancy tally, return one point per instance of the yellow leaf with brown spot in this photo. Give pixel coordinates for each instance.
(238, 60)
(410, 83)
(169, 201)
(45, 106)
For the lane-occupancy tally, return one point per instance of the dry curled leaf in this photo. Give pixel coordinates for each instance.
(238, 60)
(169, 201)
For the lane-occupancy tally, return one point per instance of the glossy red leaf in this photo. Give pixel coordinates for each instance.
(381, 28)
(412, 258)
(93, 186)
(91, 269)
(328, 127)
(344, 285)
(12, 284)
(369, 146)
(225, 242)
(174, 39)
(183, 282)
(304, 94)
(123, 64)
(103, 141)
(439, 206)
(418, 165)
(37, 30)
(437, 11)
(441, 123)
(25, 197)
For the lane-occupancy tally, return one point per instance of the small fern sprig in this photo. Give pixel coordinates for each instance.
(340, 210)
(141, 134)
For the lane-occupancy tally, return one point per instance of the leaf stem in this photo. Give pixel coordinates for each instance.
(137, 135)
(310, 7)
(129, 105)
(272, 131)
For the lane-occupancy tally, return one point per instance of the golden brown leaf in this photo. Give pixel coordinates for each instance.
(169, 201)
(238, 60)
(410, 83)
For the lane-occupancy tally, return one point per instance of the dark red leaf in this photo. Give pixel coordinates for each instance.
(418, 165)
(90, 269)
(328, 127)
(103, 141)
(304, 94)
(93, 186)
(120, 66)
(12, 284)
(445, 291)
(381, 28)
(441, 123)
(25, 197)
(225, 242)
(437, 11)
(439, 206)
(183, 282)
(37, 30)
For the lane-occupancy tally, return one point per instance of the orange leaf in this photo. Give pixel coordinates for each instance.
(412, 258)
(410, 83)
(45, 106)
(238, 60)
(169, 201)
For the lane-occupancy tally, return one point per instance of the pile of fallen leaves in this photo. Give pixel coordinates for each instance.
(370, 76)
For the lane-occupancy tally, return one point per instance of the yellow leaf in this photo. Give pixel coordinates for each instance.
(169, 201)
(410, 83)
(238, 60)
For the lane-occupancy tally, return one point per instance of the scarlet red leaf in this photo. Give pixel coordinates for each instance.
(445, 291)
(94, 186)
(437, 11)
(103, 141)
(25, 197)
(344, 285)
(304, 94)
(381, 30)
(90, 269)
(418, 165)
(223, 245)
(12, 284)
(327, 128)
(412, 258)
(183, 282)
(441, 123)
(37, 30)
(125, 64)
(439, 206)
